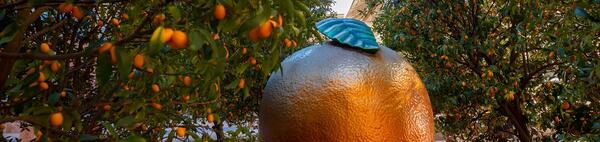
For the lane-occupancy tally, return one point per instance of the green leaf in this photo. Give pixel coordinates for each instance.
(104, 70)
(134, 138)
(350, 32)
(87, 137)
(125, 63)
(8, 33)
(53, 98)
(111, 130)
(174, 11)
(126, 121)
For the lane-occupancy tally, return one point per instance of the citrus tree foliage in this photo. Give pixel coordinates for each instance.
(110, 70)
(499, 70)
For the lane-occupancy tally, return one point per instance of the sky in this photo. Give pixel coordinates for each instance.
(342, 6)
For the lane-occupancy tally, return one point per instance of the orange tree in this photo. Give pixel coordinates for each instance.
(499, 70)
(110, 70)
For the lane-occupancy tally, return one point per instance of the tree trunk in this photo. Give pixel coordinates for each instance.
(218, 128)
(15, 44)
(516, 118)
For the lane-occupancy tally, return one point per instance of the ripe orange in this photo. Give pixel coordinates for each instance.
(180, 132)
(65, 7)
(208, 110)
(106, 107)
(125, 16)
(43, 86)
(77, 12)
(56, 119)
(158, 19)
(166, 35)
(45, 48)
(510, 96)
(63, 93)
(220, 12)
(552, 55)
(187, 81)
(242, 83)
(113, 55)
(280, 19)
(105, 47)
(265, 29)
(157, 106)
(186, 98)
(210, 118)
(490, 74)
(138, 61)
(294, 43)
(244, 51)
(115, 21)
(55, 66)
(42, 77)
(155, 88)
(254, 34)
(252, 60)
(178, 40)
(566, 105)
(287, 42)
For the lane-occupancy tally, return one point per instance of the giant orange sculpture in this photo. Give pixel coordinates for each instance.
(348, 89)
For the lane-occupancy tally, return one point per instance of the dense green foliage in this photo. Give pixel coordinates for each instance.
(108, 100)
(501, 70)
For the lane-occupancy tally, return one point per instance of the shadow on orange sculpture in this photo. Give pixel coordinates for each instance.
(345, 90)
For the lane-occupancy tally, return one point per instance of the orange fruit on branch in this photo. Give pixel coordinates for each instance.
(42, 77)
(55, 66)
(242, 83)
(166, 35)
(266, 29)
(287, 42)
(187, 81)
(45, 48)
(210, 118)
(56, 119)
(254, 34)
(125, 16)
(43, 86)
(115, 21)
(77, 12)
(157, 106)
(220, 12)
(179, 40)
(155, 88)
(180, 132)
(106, 107)
(138, 61)
(158, 19)
(65, 7)
(566, 105)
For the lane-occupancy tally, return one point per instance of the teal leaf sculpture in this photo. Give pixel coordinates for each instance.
(351, 32)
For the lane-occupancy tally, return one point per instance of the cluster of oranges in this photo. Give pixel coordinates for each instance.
(70, 8)
(54, 67)
(175, 38)
(264, 30)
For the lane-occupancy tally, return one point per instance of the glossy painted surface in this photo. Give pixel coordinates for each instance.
(329, 93)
